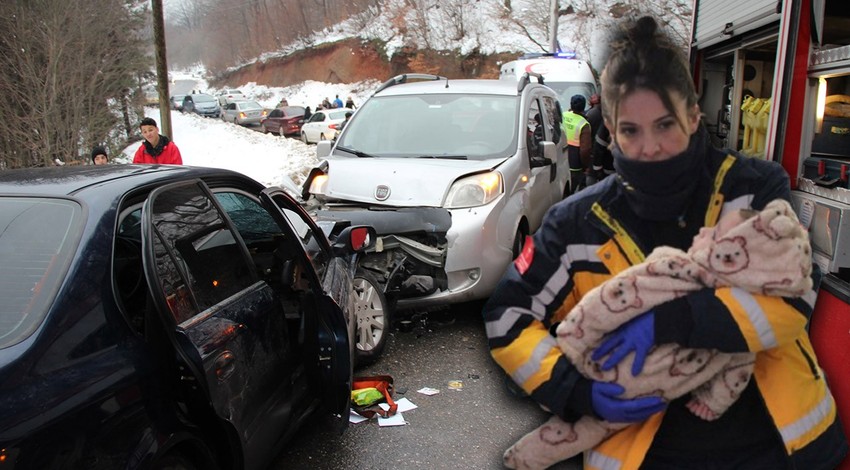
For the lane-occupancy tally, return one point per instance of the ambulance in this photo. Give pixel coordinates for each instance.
(561, 71)
(774, 83)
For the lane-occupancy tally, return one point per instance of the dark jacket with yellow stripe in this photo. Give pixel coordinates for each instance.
(593, 235)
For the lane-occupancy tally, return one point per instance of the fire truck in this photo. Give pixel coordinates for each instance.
(774, 82)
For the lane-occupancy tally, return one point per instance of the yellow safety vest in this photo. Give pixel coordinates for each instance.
(573, 124)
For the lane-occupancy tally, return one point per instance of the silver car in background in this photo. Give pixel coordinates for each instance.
(201, 103)
(243, 113)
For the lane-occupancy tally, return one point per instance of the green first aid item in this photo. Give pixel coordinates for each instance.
(366, 396)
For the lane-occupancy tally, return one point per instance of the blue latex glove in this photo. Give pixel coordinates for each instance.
(637, 335)
(604, 397)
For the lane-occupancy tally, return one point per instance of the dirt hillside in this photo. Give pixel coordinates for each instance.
(354, 60)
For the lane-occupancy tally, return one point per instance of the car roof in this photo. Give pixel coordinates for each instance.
(452, 86)
(89, 181)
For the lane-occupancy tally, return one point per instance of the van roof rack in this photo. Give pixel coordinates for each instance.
(399, 79)
(526, 79)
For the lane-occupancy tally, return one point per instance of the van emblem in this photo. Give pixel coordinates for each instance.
(382, 192)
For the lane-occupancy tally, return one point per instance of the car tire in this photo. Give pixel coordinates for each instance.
(304, 137)
(280, 132)
(372, 318)
(519, 242)
(174, 461)
(322, 136)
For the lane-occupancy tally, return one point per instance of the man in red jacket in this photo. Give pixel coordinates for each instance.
(156, 148)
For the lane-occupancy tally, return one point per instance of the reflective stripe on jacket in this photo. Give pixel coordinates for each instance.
(581, 244)
(573, 124)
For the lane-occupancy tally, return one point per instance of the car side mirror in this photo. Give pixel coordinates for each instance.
(323, 149)
(537, 162)
(355, 239)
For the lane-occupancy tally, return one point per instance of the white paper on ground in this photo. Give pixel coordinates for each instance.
(403, 405)
(355, 418)
(394, 420)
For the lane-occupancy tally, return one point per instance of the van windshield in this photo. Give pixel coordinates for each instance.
(474, 127)
(567, 90)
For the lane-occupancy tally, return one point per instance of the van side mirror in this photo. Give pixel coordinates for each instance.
(323, 149)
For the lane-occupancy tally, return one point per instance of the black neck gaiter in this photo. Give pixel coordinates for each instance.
(661, 190)
(160, 146)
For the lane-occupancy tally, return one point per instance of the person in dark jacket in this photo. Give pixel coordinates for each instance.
(156, 148)
(98, 156)
(670, 182)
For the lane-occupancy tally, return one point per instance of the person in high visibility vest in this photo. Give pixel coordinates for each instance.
(579, 141)
(670, 182)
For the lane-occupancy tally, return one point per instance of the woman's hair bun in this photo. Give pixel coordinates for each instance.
(644, 30)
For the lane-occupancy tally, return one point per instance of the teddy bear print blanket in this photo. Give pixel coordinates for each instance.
(767, 254)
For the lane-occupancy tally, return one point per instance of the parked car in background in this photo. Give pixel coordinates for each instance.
(201, 103)
(167, 317)
(227, 96)
(151, 95)
(452, 175)
(177, 102)
(286, 120)
(243, 113)
(323, 124)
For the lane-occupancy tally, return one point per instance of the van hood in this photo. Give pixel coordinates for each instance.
(401, 182)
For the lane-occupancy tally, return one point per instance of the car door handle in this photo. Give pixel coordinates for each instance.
(224, 365)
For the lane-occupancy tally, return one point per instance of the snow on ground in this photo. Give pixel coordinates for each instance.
(267, 158)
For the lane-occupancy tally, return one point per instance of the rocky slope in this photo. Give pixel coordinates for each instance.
(355, 60)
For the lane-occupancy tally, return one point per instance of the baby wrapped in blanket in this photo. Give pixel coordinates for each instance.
(764, 252)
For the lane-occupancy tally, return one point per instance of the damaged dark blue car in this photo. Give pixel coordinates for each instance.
(166, 317)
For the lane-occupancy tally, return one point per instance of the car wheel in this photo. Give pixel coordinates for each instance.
(372, 317)
(304, 137)
(280, 132)
(322, 137)
(519, 242)
(174, 461)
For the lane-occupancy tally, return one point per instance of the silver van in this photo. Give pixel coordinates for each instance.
(453, 174)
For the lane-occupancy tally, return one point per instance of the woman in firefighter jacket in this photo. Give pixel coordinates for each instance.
(670, 182)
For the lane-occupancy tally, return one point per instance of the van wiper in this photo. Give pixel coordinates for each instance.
(355, 152)
(445, 157)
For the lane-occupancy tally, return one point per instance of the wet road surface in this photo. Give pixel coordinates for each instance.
(467, 428)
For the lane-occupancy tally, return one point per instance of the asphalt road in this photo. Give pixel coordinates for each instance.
(468, 428)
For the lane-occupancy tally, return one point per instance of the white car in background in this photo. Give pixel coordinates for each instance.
(323, 124)
(228, 95)
(453, 175)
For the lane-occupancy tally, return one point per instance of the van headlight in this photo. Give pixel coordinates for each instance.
(475, 190)
(318, 184)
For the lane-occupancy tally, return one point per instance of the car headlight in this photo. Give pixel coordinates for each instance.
(319, 184)
(475, 190)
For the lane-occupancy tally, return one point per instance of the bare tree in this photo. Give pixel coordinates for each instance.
(532, 22)
(65, 67)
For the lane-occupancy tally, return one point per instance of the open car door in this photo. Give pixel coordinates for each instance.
(332, 317)
(227, 327)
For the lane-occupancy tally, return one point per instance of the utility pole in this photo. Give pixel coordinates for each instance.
(161, 69)
(553, 26)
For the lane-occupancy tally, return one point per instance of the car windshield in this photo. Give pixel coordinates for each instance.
(338, 114)
(203, 98)
(476, 127)
(33, 267)
(245, 105)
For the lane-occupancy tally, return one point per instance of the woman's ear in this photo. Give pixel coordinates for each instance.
(693, 119)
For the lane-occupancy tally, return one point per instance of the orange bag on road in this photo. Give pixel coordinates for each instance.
(384, 384)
